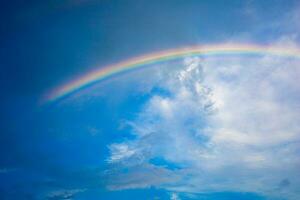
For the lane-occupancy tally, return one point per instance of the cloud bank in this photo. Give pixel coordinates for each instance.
(213, 125)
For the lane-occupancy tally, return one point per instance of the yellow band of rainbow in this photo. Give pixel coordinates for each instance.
(140, 61)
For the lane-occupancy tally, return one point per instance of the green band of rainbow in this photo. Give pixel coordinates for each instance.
(138, 62)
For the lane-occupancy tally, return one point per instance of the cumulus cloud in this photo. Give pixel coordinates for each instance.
(227, 123)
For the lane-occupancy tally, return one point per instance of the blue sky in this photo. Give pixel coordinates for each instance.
(197, 128)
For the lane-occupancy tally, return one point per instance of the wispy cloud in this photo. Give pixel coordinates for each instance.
(174, 196)
(66, 194)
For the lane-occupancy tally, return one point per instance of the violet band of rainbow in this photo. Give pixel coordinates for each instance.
(157, 57)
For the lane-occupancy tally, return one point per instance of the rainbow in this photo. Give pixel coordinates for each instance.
(138, 62)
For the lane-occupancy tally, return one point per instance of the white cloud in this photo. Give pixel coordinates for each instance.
(230, 124)
(174, 196)
(120, 152)
(142, 175)
(66, 194)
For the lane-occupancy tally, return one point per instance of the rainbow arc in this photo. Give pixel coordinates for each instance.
(105, 72)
